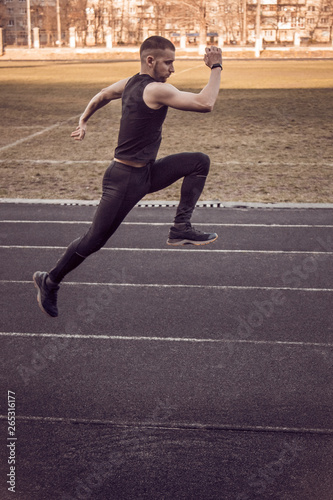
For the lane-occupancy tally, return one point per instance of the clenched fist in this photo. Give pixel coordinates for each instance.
(213, 56)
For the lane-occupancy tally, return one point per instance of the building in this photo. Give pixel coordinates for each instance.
(222, 21)
(187, 24)
(14, 20)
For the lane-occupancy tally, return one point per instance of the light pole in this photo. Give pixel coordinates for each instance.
(258, 46)
(244, 27)
(29, 24)
(58, 23)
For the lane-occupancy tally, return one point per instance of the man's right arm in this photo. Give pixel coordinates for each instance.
(114, 91)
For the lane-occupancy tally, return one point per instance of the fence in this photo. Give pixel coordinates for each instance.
(73, 38)
(40, 38)
(17, 38)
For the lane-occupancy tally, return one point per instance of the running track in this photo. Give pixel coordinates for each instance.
(170, 373)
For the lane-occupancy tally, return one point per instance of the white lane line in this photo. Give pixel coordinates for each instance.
(182, 249)
(55, 162)
(158, 285)
(188, 69)
(166, 339)
(40, 132)
(8, 221)
(181, 426)
(278, 162)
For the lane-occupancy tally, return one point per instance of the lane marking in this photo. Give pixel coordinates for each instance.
(323, 162)
(167, 339)
(55, 162)
(188, 69)
(40, 132)
(181, 426)
(8, 221)
(158, 285)
(194, 250)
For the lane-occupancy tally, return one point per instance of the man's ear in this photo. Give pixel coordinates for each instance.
(150, 60)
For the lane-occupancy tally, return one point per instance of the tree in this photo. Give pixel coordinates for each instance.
(181, 14)
(197, 10)
(50, 22)
(98, 9)
(328, 8)
(37, 13)
(161, 11)
(315, 20)
(3, 14)
(73, 14)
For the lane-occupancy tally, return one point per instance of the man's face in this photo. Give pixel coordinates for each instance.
(163, 65)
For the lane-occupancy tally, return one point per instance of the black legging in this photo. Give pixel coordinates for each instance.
(123, 188)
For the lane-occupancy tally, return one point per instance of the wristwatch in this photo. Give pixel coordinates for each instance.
(217, 65)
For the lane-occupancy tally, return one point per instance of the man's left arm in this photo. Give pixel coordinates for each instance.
(163, 94)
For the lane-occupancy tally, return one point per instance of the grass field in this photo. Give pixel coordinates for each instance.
(269, 137)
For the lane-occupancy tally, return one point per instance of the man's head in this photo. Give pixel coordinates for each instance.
(157, 55)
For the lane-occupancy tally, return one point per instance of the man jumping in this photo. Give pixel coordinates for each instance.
(134, 171)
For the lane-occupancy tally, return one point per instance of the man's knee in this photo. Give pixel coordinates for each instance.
(90, 244)
(203, 163)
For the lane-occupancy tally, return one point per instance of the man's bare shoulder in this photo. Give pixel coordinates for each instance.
(157, 94)
(115, 90)
(160, 88)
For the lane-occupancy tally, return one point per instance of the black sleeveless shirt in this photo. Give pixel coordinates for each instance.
(140, 132)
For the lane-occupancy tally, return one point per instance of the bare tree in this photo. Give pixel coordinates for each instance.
(328, 10)
(37, 13)
(161, 11)
(73, 13)
(197, 10)
(318, 11)
(181, 14)
(3, 14)
(98, 9)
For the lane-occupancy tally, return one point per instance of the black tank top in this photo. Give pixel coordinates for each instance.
(140, 132)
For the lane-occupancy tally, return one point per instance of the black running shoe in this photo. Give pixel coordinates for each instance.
(47, 295)
(189, 236)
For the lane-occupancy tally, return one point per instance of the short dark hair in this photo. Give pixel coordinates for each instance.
(156, 43)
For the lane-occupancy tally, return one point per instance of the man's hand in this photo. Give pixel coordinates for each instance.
(114, 91)
(80, 132)
(213, 56)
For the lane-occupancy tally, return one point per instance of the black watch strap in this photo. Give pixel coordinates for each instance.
(216, 65)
